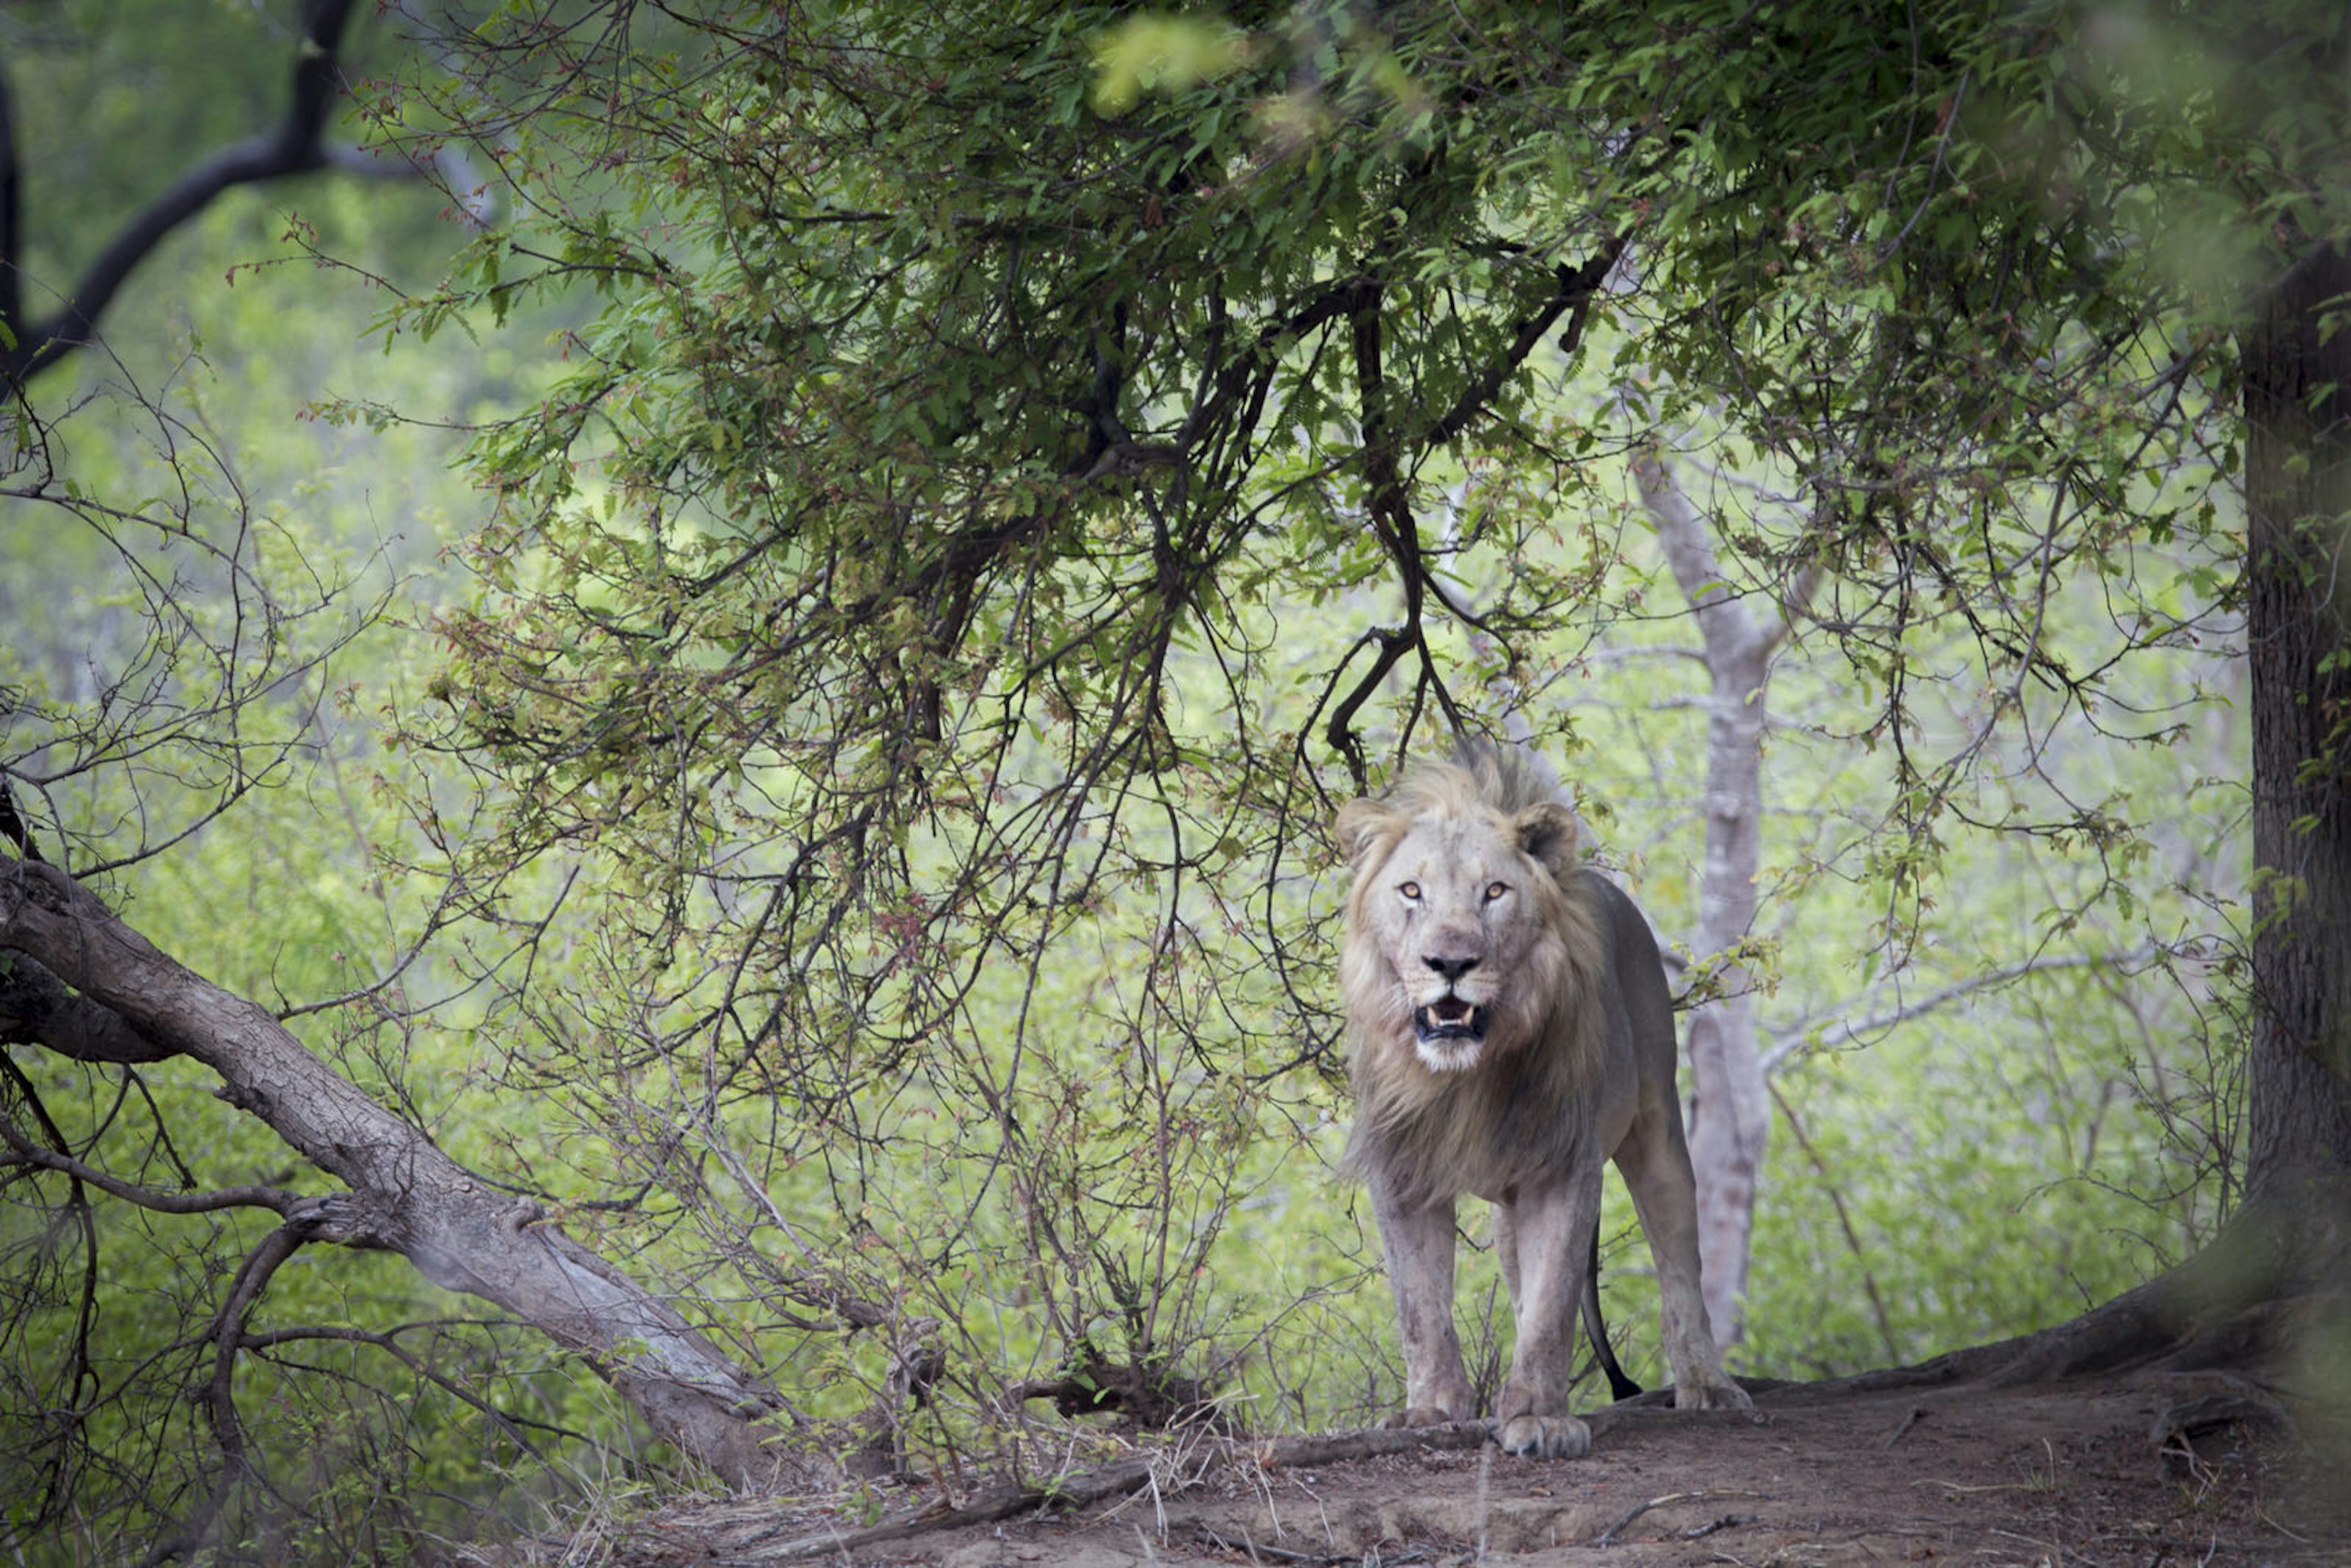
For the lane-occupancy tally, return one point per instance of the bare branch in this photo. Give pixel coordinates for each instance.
(1844, 1223)
(1801, 1037)
(387, 1341)
(23, 1152)
(220, 1393)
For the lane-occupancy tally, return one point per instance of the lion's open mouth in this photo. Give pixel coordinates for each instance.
(1450, 1018)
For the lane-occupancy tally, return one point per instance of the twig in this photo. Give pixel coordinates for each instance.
(2261, 1512)
(1609, 1534)
(1798, 1036)
(1845, 1222)
(1918, 1414)
(1258, 1550)
(2055, 1555)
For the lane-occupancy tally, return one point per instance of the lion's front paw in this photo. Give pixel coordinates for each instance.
(1719, 1393)
(1546, 1437)
(1417, 1415)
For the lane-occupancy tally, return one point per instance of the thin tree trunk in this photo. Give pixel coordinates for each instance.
(405, 1195)
(1731, 1117)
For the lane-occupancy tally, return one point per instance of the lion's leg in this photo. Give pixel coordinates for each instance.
(1544, 1234)
(1419, 1240)
(1655, 1166)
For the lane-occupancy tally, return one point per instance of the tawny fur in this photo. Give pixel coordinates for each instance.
(1525, 1108)
(1545, 1047)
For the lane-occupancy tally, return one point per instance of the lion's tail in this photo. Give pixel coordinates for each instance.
(1619, 1386)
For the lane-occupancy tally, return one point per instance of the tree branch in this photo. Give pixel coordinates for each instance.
(1576, 287)
(296, 146)
(1389, 504)
(512, 1424)
(37, 1009)
(406, 1194)
(22, 1151)
(1799, 1038)
(1340, 731)
(219, 1392)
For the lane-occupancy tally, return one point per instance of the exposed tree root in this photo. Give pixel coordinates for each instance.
(2253, 1302)
(2269, 1300)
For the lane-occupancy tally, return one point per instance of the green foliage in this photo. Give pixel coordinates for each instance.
(1025, 454)
(1000, 474)
(196, 585)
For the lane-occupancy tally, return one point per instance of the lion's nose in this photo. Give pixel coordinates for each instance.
(1452, 968)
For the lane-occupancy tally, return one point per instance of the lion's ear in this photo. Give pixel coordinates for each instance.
(1548, 834)
(1361, 824)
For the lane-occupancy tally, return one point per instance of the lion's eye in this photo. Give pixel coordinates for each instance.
(1411, 892)
(1495, 891)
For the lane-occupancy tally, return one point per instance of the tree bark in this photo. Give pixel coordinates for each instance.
(405, 1195)
(2298, 502)
(1730, 1113)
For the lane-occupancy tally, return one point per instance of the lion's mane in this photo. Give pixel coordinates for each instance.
(1527, 1105)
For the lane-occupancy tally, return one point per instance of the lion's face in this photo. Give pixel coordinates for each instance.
(1451, 925)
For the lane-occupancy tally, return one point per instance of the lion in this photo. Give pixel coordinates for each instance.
(1509, 1029)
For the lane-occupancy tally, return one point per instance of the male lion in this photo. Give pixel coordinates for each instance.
(1509, 1029)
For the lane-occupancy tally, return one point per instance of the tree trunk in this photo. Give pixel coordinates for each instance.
(2298, 501)
(405, 1195)
(1730, 1114)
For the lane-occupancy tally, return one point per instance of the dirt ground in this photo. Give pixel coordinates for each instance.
(1820, 1478)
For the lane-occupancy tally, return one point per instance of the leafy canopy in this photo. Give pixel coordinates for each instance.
(915, 570)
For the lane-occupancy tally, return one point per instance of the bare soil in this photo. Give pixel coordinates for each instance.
(1823, 1476)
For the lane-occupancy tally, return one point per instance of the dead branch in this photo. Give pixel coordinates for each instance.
(1113, 1480)
(1671, 1498)
(407, 1195)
